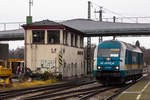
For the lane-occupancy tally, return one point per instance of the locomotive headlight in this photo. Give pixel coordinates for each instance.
(116, 67)
(99, 67)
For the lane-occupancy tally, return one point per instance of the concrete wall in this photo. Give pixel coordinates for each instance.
(74, 61)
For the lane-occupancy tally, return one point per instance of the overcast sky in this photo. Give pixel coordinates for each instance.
(17, 10)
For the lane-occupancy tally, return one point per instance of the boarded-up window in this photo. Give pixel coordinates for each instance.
(53, 36)
(38, 36)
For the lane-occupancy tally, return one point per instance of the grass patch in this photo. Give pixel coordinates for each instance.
(27, 84)
(33, 83)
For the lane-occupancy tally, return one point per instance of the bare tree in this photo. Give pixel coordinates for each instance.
(17, 53)
(147, 56)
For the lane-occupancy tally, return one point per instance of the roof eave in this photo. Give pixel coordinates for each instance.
(26, 27)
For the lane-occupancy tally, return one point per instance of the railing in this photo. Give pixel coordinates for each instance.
(16, 25)
(10, 25)
(128, 19)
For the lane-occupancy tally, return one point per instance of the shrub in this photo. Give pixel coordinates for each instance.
(45, 76)
(59, 76)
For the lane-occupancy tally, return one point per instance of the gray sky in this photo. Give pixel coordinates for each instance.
(17, 10)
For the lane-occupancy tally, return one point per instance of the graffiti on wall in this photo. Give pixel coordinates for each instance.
(47, 63)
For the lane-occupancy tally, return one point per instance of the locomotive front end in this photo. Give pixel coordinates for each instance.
(108, 62)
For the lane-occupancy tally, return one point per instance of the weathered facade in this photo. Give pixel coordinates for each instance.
(55, 47)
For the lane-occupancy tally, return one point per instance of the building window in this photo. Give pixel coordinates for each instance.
(76, 39)
(76, 70)
(71, 39)
(53, 36)
(65, 38)
(38, 36)
(81, 41)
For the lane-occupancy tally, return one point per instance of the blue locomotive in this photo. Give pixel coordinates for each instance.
(117, 62)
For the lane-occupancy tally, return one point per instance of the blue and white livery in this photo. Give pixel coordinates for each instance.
(116, 61)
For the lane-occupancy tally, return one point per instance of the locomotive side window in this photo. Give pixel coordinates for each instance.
(108, 52)
(134, 57)
(127, 57)
(38, 36)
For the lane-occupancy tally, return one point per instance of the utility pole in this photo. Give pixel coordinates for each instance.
(30, 4)
(89, 43)
(89, 9)
(100, 14)
(29, 18)
(100, 19)
(114, 20)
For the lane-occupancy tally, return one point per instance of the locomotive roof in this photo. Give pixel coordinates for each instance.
(127, 45)
(132, 47)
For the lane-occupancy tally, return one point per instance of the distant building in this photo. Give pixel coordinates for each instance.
(4, 52)
(54, 46)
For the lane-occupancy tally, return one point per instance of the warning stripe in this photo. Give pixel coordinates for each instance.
(60, 59)
(60, 62)
(60, 56)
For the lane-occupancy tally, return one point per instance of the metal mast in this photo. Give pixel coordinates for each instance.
(30, 4)
(100, 19)
(89, 43)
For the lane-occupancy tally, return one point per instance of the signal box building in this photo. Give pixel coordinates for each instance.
(54, 47)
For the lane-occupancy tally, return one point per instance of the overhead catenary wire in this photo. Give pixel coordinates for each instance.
(113, 12)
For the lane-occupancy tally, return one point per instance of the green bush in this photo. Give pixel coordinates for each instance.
(45, 76)
(59, 77)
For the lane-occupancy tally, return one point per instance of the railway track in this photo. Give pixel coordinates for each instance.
(57, 87)
(53, 95)
(79, 94)
(75, 90)
(82, 91)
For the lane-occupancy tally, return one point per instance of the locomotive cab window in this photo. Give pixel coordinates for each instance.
(38, 36)
(53, 36)
(108, 52)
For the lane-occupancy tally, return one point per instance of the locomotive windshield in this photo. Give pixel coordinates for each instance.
(108, 52)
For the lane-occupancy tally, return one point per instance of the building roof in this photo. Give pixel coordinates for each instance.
(45, 23)
(17, 34)
(89, 27)
(96, 28)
